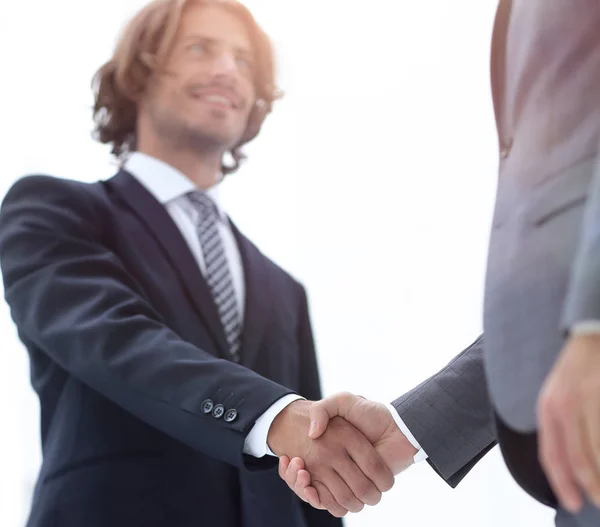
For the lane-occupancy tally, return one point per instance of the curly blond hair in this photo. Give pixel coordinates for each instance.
(143, 49)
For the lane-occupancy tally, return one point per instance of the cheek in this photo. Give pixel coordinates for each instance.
(250, 97)
(166, 101)
(250, 113)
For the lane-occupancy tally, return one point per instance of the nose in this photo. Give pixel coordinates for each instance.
(224, 64)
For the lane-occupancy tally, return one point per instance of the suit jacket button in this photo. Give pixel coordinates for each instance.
(218, 411)
(231, 415)
(207, 406)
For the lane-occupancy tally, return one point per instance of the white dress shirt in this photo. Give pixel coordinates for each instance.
(169, 187)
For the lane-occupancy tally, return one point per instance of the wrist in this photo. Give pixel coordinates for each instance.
(289, 425)
(396, 450)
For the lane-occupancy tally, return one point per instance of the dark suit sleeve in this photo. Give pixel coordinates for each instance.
(311, 389)
(450, 415)
(73, 298)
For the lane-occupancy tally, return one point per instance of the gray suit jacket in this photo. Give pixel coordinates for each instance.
(543, 274)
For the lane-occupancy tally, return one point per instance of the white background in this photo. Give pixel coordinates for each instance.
(373, 182)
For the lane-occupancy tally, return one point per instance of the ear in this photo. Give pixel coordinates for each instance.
(255, 121)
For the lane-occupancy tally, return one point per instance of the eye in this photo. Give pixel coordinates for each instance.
(244, 63)
(197, 48)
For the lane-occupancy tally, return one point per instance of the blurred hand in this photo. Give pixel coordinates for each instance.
(569, 423)
(345, 468)
(373, 419)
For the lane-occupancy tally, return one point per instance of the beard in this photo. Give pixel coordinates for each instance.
(208, 137)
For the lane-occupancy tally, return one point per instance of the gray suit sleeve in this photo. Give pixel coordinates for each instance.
(582, 302)
(450, 415)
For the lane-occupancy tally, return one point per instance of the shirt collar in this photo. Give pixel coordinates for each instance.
(164, 181)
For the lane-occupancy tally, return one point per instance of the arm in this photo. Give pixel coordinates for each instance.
(568, 407)
(72, 297)
(450, 415)
(256, 442)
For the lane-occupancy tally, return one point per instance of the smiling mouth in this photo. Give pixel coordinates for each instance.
(219, 101)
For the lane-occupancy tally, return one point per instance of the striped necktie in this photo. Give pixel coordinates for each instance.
(218, 274)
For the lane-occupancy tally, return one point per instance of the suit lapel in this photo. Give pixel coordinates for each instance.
(498, 60)
(167, 235)
(259, 296)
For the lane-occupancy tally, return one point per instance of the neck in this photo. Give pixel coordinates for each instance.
(203, 169)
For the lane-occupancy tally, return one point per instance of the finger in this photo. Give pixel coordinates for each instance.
(322, 411)
(341, 491)
(319, 419)
(291, 474)
(361, 486)
(305, 491)
(370, 463)
(284, 463)
(310, 494)
(589, 477)
(302, 481)
(328, 501)
(554, 459)
(578, 456)
(298, 480)
(297, 464)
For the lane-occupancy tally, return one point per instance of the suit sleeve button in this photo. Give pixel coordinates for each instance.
(207, 406)
(218, 411)
(231, 415)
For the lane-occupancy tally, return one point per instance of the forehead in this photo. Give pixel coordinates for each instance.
(219, 23)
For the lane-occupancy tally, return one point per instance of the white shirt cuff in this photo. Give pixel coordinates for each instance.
(420, 455)
(256, 441)
(586, 327)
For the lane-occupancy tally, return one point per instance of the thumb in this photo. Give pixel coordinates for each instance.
(322, 411)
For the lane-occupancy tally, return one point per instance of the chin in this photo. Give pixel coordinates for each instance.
(218, 127)
(212, 137)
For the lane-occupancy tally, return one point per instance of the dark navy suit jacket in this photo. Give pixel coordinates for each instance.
(128, 358)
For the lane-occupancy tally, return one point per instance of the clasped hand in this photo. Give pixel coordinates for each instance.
(346, 458)
(354, 448)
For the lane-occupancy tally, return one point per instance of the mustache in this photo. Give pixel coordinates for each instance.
(220, 88)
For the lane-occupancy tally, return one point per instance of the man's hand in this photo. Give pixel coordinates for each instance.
(346, 470)
(372, 419)
(569, 423)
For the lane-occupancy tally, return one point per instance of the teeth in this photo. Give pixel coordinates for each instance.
(217, 98)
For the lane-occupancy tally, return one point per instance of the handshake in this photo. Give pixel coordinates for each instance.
(340, 453)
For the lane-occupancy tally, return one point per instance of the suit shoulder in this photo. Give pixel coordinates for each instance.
(48, 189)
(37, 183)
(42, 201)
